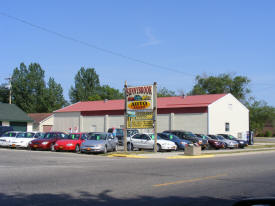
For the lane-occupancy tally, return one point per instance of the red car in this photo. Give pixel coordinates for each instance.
(48, 141)
(72, 142)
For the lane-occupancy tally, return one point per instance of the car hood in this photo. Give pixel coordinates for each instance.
(42, 140)
(162, 141)
(23, 139)
(94, 142)
(67, 141)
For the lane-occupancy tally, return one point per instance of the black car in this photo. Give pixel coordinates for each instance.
(185, 135)
(4, 129)
(242, 143)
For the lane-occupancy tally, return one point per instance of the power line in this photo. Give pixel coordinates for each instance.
(93, 46)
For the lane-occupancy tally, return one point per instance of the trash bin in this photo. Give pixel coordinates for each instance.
(192, 150)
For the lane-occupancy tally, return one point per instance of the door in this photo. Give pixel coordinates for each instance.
(136, 141)
(19, 126)
(47, 128)
(146, 142)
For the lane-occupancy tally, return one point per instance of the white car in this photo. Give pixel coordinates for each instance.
(7, 137)
(23, 139)
(146, 141)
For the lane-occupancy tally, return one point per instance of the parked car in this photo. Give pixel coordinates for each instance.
(146, 141)
(213, 143)
(242, 143)
(4, 129)
(118, 133)
(8, 137)
(181, 143)
(228, 143)
(48, 141)
(22, 140)
(72, 142)
(99, 142)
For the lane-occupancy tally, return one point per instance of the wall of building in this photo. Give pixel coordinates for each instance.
(48, 121)
(228, 110)
(4, 123)
(194, 122)
(29, 126)
(66, 120)
(93, 123)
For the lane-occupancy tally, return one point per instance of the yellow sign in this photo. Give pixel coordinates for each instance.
(142, 120)
(137, 105)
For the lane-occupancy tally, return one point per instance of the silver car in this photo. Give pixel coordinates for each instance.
(229, 143)
(99, 142)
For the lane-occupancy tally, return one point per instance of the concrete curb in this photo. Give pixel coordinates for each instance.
(190, 157)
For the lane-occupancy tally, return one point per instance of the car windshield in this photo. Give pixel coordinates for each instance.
(25, 135)
(97, 136)
(190, 134)
(232, 137)
(131, 132)
(39, 135)
(220, 137)
(152, 136)
(168, 136)
(73, 136)
(9, 134)
(53, 135)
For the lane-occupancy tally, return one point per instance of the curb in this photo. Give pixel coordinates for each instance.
(190, 157)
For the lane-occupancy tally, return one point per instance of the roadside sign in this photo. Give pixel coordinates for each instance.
(139, 98)
(142, 120)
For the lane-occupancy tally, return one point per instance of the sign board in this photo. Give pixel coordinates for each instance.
(142, 120)
(139, 98)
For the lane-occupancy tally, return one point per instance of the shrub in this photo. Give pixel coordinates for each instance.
(268, 133)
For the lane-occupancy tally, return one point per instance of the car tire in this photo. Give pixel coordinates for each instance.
(77, 149)
(115, 148)
(52, 148)
(158, 148)
(105, 150)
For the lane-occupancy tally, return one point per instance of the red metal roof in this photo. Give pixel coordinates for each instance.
(163, 102)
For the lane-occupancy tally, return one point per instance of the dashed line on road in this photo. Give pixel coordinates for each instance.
(189, 180)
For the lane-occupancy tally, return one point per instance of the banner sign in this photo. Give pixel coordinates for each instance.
(139, 98)
(142, 120)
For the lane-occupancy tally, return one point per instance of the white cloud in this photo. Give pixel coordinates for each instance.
(151, 39)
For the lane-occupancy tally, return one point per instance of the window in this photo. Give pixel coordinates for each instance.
(137, 136)
(227, 127)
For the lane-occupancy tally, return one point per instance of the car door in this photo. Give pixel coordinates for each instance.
(146, 142)
(136, 140)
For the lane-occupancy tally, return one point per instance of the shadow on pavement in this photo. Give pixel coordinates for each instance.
(85, 198)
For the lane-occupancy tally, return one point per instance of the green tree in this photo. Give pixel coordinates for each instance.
(259, 115)
(4, 94)
(164, 92)
(30, 93)
(223, 83)
(107, 92)
(85, 86)
(55, 99)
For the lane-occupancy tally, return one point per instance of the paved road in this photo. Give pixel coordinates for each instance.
(46, 178)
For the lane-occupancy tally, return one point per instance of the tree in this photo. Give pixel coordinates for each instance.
(259, 115)
(85, 86)
(30, 93)
(106, 92)
(164, 92)
(55, 98)
(4, 94)
(223, 83)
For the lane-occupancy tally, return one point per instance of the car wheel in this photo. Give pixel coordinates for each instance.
(105, 150)
(115, 148)
(77, 148)
(158, 148)
(52, 148)
(129, 147)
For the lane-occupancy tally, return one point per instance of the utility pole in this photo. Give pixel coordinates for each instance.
(125, 119)
(9, 87)
(155, 116)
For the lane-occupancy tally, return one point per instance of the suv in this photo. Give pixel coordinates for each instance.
(118, 133)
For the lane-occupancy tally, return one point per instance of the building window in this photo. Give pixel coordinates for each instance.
(227, 127)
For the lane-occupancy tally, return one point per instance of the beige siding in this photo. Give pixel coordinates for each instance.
(228, 109)
(163, 121)
(29, 126)
(47, 121)
(66, 120)
(116, 121)
(194, 122)
(93, 123)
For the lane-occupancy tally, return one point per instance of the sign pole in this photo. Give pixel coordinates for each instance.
(155, 116)
(125, 119)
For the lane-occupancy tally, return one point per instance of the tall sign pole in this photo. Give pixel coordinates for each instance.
(125, 119)
(155, 116)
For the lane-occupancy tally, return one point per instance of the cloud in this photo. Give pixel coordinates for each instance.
(151, 39)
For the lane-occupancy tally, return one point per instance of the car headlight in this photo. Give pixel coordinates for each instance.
(182, 143)
(241, 142)
(70, 144)
(44, 143)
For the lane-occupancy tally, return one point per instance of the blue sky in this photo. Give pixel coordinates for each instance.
(192, 37)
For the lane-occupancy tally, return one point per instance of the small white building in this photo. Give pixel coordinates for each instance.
(205, 114)
(43, 122)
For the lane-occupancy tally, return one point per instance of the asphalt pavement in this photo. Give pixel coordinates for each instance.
(55, 178)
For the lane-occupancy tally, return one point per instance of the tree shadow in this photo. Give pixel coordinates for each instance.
(85, 198)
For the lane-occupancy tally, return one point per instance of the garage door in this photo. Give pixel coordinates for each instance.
(47, 128)
(19, 126)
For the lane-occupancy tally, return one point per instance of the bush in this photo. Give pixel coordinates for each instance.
(268, 133)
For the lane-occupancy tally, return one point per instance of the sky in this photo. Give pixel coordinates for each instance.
(142, 41)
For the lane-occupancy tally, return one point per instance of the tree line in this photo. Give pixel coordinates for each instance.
(33, 94)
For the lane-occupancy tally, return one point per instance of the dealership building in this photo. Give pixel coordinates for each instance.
(205, 114)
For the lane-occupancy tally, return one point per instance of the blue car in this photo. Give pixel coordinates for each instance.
(181, 143)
